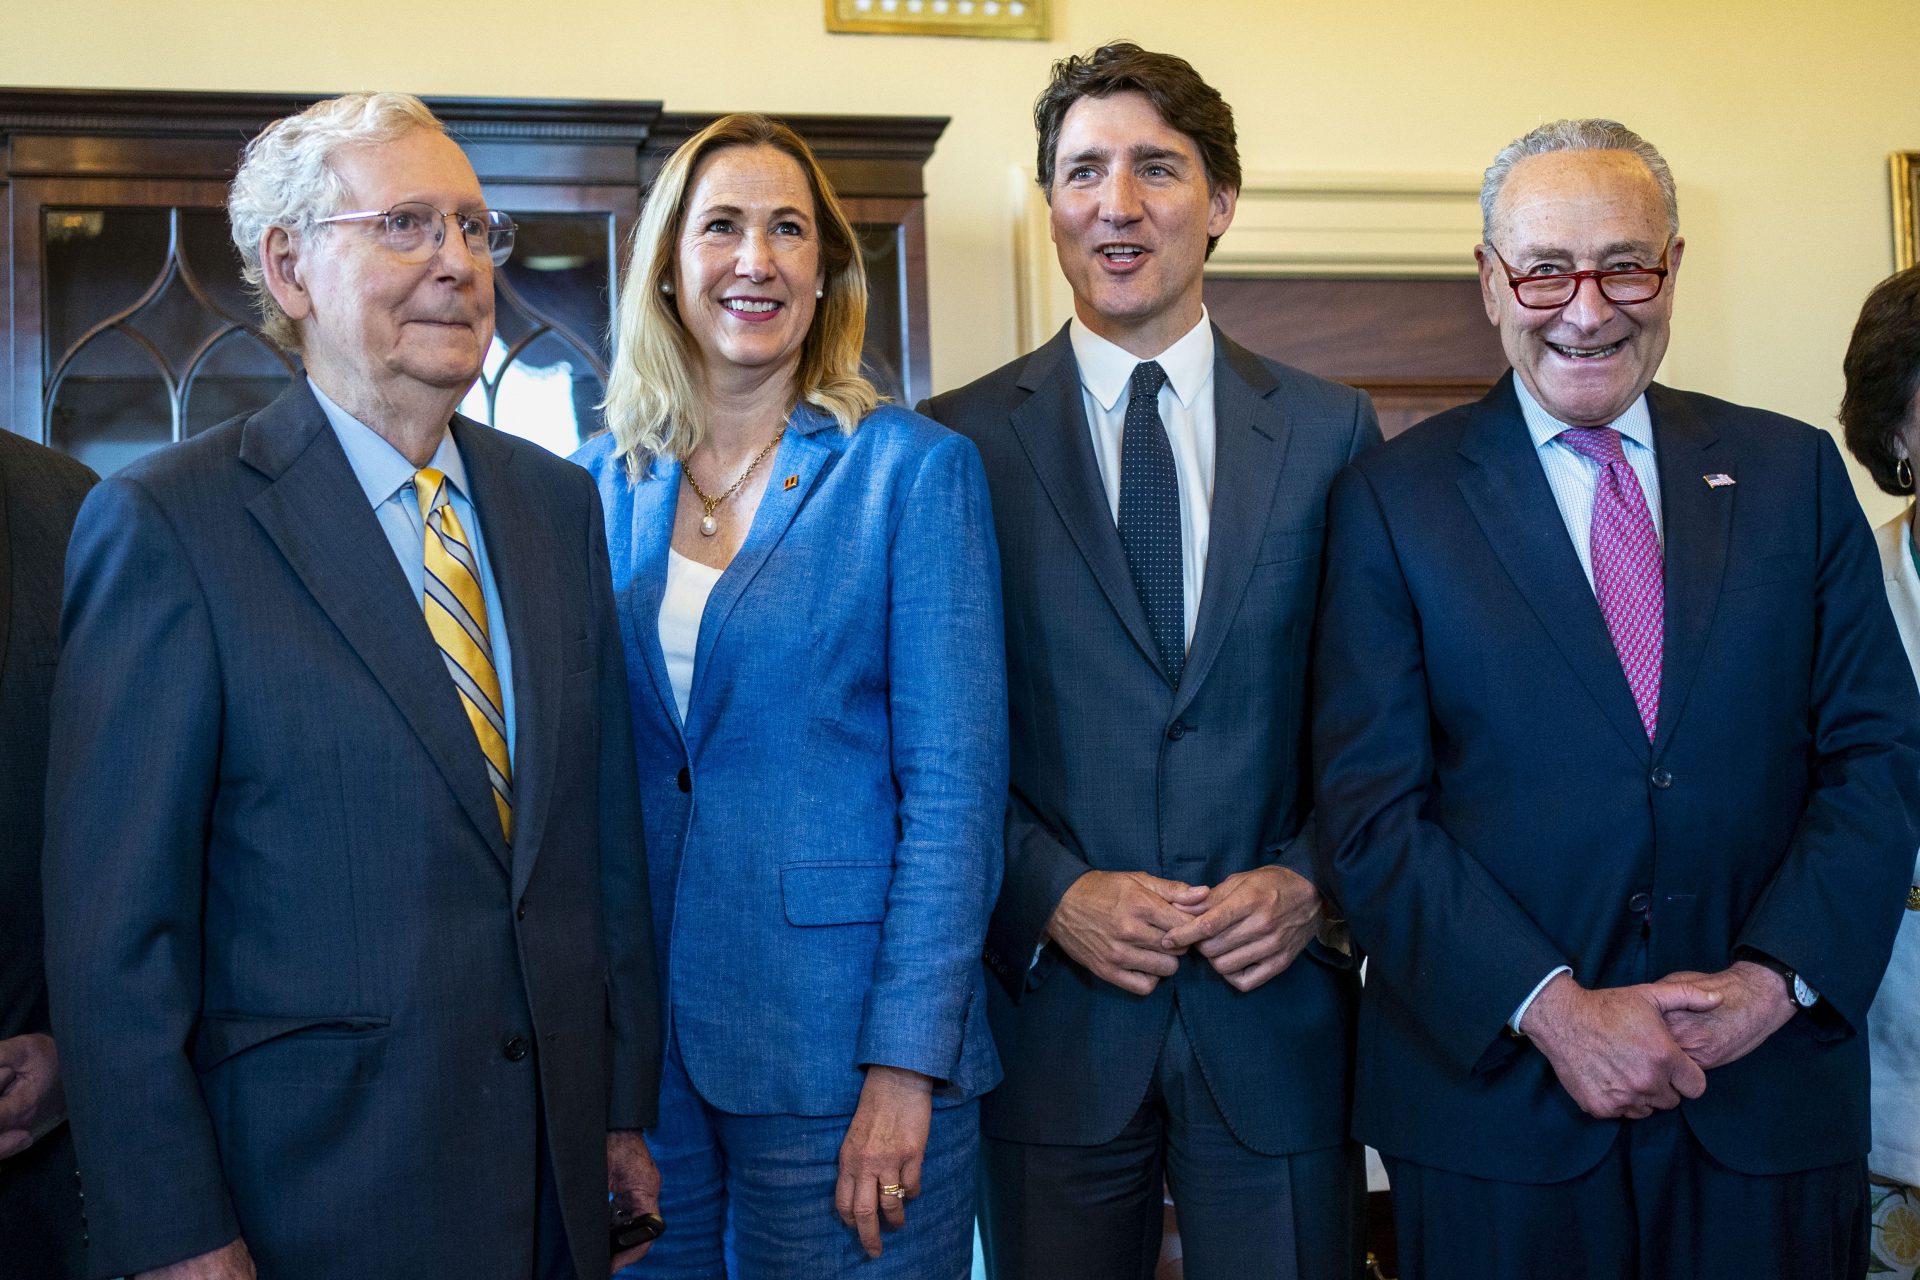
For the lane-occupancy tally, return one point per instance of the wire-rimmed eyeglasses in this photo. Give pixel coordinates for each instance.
(1550, 289)
(414, 231)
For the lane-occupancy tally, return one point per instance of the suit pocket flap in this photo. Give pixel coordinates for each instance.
(1283, 546)
(835, 892)
(1758, 571)
(221, 1036)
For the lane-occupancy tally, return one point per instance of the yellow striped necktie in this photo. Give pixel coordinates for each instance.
(457, 616)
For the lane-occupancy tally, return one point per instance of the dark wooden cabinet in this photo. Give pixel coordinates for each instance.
(127, 326)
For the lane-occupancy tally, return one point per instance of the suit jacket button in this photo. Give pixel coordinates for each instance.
(1660, 779)
(515, 1049)
(1639, 903)
(1176, 731)
(684, 780)
(520, 912)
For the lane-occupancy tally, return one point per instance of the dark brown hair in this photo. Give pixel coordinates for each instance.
(1185, 101)
(1883, 375)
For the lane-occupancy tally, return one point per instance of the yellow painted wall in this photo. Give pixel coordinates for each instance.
(1777, 115)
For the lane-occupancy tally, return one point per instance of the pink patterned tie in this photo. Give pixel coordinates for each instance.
(1626, 566)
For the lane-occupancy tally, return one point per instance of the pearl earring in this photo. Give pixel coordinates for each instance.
(819, 293)
(666, 287)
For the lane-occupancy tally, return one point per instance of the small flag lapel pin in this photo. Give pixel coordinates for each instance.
(793, 480)
(1718, 480)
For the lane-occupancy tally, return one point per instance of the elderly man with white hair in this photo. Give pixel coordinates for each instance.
(1619, 780)
(347, 926)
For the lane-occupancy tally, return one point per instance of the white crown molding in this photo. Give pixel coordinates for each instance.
(1295, 224)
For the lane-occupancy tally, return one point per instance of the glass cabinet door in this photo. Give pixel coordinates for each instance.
(546, 372)
(148, 336)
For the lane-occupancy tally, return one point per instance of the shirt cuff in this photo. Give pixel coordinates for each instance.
(1532, 995)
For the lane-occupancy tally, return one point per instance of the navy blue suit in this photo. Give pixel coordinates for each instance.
(1490, 806)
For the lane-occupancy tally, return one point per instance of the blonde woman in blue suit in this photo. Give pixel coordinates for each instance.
(809, 589)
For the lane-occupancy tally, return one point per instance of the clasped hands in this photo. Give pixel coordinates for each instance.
(1130, 928)
(32, 1100)
(1626, 1052)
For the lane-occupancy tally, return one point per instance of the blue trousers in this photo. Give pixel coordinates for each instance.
(751, 1197)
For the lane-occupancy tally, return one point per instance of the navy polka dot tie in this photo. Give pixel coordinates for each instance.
(1150, 518)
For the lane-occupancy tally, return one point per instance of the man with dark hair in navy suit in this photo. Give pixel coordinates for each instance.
(1165, 1013)
(1619, 780)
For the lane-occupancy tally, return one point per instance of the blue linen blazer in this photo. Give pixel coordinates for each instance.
(824, 832)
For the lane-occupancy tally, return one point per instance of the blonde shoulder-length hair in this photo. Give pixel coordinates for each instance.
(653, 399)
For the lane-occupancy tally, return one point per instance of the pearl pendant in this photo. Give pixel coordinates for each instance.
(709, 526)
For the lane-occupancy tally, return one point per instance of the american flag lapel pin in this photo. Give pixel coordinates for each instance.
(1717, 480)
(794, 479)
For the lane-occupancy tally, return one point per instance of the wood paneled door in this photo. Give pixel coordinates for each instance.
(1417, 346)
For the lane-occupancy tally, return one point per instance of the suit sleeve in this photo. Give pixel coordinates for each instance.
(947, 699)
(1296, 854)
(633, 989)
(1834, 905)
(133, 762)
(1431, 919)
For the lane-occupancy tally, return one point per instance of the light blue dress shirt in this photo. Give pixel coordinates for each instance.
(387, 477)
(1572, 476)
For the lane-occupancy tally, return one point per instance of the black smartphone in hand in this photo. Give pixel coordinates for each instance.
(630, 1230)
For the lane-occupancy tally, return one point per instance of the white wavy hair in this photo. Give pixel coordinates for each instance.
(1590, 134)
(286, 179)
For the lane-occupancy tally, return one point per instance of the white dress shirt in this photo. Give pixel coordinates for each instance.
(1186, 407)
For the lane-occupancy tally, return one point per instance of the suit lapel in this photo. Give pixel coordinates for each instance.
(1051, 424)
(317, 514)
(522, 551)
(650, 534)
(1509, 496)
(1698, 522)
(803, 457)
(1250, 444)
(6, 571)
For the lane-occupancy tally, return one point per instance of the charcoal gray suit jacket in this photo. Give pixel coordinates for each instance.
(306, 991)
(1114, 768)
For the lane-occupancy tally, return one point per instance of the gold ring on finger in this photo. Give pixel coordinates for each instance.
(895, 1190)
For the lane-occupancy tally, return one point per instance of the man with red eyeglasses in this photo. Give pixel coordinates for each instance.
(1619, 780)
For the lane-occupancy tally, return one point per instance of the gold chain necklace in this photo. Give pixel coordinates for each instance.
(708, 525)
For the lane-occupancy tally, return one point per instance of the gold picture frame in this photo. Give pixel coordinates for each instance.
(993, 19)
(1906, 209)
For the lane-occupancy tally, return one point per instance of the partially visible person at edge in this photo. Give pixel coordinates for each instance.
(348, 948)
(811, 600)
(41, 1230)
(1881, 415)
